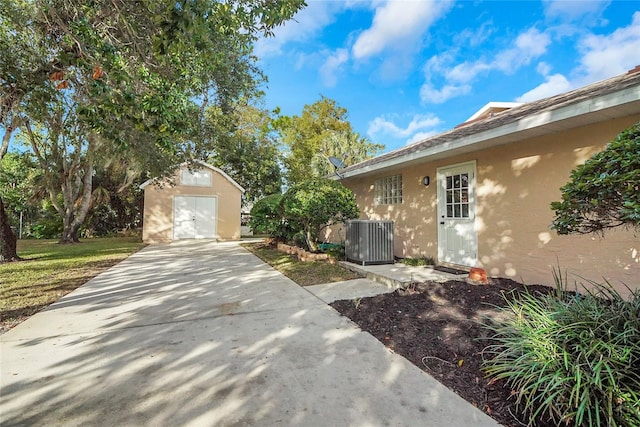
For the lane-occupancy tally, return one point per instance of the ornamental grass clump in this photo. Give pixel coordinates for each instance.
(570, 358)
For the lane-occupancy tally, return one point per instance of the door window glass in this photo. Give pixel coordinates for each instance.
(457, 196)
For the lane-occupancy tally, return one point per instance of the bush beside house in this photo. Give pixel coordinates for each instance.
(298, 216)
(604, 192)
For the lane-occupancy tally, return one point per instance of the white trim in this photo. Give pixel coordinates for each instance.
(473, 163)
(201, 163)
(589, 111)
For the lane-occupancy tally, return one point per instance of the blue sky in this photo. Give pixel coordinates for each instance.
(409, 69)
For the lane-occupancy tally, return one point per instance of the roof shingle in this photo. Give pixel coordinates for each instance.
(604, 87)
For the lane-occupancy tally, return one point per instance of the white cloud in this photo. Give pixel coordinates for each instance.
(605, 56)
(554, 84)
(466, 71)
(438, 64)
(543, 68)
(421, 125)
(528, 46)
(476, 37)
(306, 24)
(572, 10)
(332, 66)
(428, 93)
(398, 25)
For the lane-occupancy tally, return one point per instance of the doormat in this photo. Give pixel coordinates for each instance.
(450, 270)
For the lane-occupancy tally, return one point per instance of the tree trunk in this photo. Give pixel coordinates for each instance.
(8, 251)
(5, 141)
(69, 232)
(78, 200)
(311, 241)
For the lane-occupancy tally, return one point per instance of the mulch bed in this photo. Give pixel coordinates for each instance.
(437, 326)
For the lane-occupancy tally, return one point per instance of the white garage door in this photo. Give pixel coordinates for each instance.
(194, 217)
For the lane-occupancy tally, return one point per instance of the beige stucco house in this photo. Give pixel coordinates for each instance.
(479, 195)
(201, 203)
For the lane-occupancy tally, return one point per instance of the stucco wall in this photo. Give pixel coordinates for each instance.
(515, 185)
(158, 208)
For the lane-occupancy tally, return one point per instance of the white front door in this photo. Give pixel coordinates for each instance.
(457, 235)
(194, 217)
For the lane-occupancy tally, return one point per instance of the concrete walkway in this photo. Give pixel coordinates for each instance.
(399, 275)
(205, 334)
(349, 289)
(379, 279)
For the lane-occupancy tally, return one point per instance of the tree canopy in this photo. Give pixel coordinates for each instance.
(246, 148)
(347, 146)
(604, 192)
(138, 75)
(322, 130)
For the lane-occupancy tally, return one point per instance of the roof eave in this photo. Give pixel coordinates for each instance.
(607, 106)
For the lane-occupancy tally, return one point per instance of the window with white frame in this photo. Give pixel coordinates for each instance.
(389, 190)
(200, 178)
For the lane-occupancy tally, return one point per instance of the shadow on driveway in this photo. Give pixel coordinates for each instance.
(204, 333)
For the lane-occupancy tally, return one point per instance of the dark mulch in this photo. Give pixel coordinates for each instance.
(437, 326)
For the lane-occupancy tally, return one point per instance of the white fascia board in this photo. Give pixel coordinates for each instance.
(147, 182)
(501, 134)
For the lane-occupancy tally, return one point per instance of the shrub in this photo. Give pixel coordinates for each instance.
(298, 239)
(419, 262)
(48, 225)
(266, 216)
(604, 192)
(313, 205)
(569, 357)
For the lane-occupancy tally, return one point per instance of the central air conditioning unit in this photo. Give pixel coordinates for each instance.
(369, 242)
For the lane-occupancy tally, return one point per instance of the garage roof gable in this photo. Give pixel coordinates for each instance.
(205, 165)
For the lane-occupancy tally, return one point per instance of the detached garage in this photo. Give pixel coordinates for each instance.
(202, 203)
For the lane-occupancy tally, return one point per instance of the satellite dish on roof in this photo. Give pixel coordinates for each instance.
(336, 162)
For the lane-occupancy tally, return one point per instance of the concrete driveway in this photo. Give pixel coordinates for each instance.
(205, 334)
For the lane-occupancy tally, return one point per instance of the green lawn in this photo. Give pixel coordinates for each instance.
(50, 270)
(303, 273)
